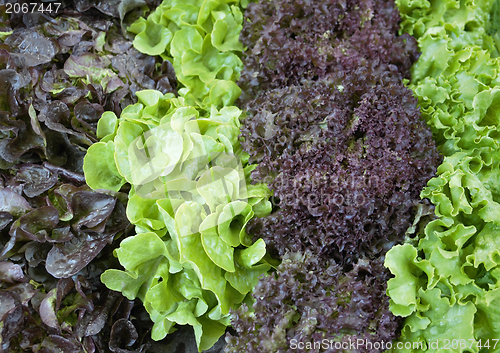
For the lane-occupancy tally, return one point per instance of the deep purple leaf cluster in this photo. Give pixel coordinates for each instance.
(58, 74)
(76, 315)
(337, 136)
(340, 141)
(54, 243)
(70, 73)
(290, 42)
(311, 300)
(61, 224)
(345, 171)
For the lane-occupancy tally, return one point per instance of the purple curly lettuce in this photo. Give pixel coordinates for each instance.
(346, 154)
(290, 42)
(311, 300)
(345, 172)
(339, 139)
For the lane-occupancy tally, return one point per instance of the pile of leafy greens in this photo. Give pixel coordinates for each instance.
(51, 297)
(108, 136)
(58, 78)
(58, 73)
(201, 40)
(344, 150)
(341, 143)
(447, 276)
(311, 300)
(191, 260)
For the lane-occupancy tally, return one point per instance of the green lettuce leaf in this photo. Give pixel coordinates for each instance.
(100, 167)
(201, 40)
(191, 260)
(447, 277)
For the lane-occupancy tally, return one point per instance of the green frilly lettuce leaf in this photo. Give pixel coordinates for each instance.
(446, 280)
(201, 40)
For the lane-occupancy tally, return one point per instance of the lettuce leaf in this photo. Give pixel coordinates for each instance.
(191, 260)
(447, 277)
(201, 40)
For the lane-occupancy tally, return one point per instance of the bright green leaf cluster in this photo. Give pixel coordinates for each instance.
(456, 78)
(190, 200)
(447, 279)
(201, 39)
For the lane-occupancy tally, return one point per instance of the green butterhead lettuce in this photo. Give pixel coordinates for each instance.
(191, 260)
(191, 198)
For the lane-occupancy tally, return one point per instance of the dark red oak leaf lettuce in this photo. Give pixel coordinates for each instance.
(55, 241)
(58, 76)
(58, 73)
